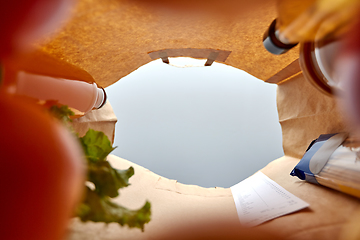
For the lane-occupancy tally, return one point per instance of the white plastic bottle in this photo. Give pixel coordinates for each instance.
(78, 95)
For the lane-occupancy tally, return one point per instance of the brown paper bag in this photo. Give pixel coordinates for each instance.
(102, 119)
(106, 40)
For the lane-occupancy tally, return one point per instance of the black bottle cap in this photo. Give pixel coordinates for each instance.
(105, 98)
(272, 43)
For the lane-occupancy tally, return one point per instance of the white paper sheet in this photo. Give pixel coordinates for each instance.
(259, 199)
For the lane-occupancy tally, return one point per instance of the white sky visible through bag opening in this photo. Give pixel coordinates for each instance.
(208, 126)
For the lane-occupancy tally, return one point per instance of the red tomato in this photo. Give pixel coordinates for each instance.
(347, 67)
(41, 172)
(23, 21)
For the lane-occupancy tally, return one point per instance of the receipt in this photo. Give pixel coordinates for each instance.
(259, 199)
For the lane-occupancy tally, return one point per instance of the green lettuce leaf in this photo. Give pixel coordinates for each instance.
(108, 180)
(96, 145)
(63, 113)
(97, 205)
(101, 209)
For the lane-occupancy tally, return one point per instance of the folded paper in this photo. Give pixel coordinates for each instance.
(259, 199)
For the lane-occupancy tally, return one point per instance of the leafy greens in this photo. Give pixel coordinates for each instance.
(97, 205)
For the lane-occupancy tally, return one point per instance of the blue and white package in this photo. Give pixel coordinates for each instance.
(317, 156)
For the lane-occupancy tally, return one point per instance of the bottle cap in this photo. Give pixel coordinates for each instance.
(273, 44)
(101, 98)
